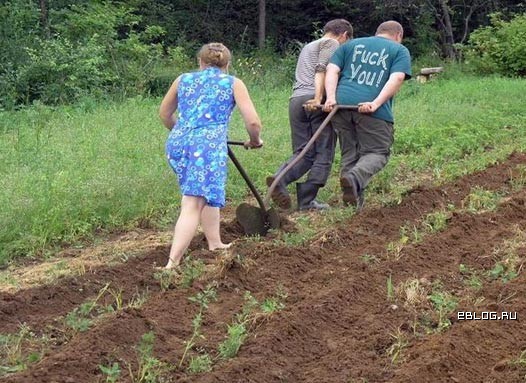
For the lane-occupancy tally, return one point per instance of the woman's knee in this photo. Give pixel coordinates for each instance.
(190, 201)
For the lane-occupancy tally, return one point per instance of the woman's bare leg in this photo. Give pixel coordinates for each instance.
(210, 226)
(185, 228)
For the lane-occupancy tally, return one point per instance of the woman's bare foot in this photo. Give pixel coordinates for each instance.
(172, 264)
(220, 246)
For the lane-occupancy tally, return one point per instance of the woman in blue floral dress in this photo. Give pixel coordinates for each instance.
(196, 147)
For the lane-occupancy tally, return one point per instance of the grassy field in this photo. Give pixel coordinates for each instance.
(72, 171)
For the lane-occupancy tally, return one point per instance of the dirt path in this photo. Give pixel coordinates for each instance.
(341, 321)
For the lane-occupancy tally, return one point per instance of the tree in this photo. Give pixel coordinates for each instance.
(261, 22)
(44, 19)
(442, 12)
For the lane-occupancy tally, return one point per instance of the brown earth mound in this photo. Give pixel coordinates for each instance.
(367, 301)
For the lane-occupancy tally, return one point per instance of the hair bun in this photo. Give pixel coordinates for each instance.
(215, 54)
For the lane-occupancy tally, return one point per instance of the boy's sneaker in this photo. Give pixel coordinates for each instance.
(351, 195)
(279, 195)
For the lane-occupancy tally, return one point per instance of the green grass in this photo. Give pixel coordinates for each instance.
(69, 172)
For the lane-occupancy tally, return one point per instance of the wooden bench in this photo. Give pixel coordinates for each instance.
(427, 73)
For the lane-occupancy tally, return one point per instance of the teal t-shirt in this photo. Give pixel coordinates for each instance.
(365, 66)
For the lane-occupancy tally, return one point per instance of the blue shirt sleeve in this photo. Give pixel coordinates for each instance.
(338, 57)
(402, 62)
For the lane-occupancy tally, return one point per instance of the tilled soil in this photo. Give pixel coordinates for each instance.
(341, 321)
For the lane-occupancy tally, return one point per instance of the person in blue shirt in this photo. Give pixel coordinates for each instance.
(366, 72)
(196, 147)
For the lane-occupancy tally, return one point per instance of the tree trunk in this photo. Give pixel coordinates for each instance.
(262, 21)
(44, 19)
(448, 30)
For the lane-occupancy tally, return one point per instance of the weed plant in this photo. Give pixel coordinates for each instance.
(166, 278)
(302, 236)
(117, 297)
(200, 364)
(138, 299)
(369, 259)
(412, 291)
(196, 334)
(470, 277)
(520, 361)
(203, 299)
(509, 262)
(394, 248)
(480, 200)
(436, 221)
(444, 304)
(236, 335)
(238, 330)
(399, 344)
(192, 270)
(79, 320)
(111, 372)
(21, 349)
(149, 368)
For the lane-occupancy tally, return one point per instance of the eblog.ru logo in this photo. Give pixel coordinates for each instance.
(486, 315)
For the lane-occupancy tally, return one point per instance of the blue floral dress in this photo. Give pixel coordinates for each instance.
(196, 147)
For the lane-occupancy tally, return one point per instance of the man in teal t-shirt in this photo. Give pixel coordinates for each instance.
(367, 72)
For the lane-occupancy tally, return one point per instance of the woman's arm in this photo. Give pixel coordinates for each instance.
(169, 105)
(249, 114)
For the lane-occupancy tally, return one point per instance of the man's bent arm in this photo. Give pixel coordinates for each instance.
(331, 82)
(391, 87)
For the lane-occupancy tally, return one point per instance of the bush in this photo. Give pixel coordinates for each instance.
(60, 72)
(19, 20)
(92, 49)
(499, 48)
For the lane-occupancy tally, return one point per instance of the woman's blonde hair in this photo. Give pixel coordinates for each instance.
(214, 54)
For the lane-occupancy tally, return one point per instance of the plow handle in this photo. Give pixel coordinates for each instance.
(245, 175)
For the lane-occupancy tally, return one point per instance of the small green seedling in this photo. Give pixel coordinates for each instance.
(237, 334)
(444, 303)
(192, 270)
(112, 372)
(204, 297)
(436, 221)
(196, 334)
(200, 364)
(150, 369)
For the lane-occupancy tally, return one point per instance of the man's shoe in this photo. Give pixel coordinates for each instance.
(306, 196)
(351, 195)
(360, 202)
(315, 205)
(279, 195)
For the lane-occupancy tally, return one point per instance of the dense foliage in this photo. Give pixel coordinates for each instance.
(500, 47)
(60, 51)
(94, 48)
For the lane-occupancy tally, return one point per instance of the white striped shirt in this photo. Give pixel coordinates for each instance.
(313, 58)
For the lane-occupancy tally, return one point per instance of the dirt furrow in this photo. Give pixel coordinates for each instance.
(337, 324)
